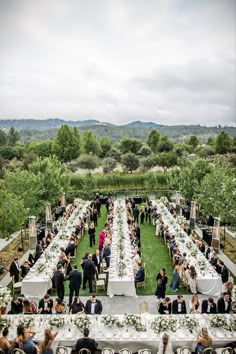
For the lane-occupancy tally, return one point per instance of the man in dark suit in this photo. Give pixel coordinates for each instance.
(97, 261)
(15, 269)
(45, 305)
(179, 306)
(224, 303)
(59, 281)
(70, 249)
(75, 278)
(208, 306)
(86, 343)
(140, 275)
(89, 272)
(224, 273)
(93, 306)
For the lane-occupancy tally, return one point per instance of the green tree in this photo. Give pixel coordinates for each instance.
(205, 151)
(153, 140)
(166, 160)
(145, 151)
(13, 136)
(130, 161)
(88, 162)
(105, 145)
(90, 143)
(115, 153)
(130, 145)
(151, 182)
(109, 164)
(193, 141)
(147, 163)
(41, 148)
(3, 137)
(12, 213)
(223, 143)
(165, 145)
(67, 143)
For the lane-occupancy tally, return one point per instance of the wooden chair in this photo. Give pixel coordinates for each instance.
(184, 350)
(140, 284)
(102, 276)
(84, 351)
(17, 351)
(16, 286)
(100, 285)
(107, 350)
(143, 307)
(125, 351)
(63, 350)
(227, 350)
(144, 351)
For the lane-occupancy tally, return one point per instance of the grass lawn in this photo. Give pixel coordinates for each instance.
(155, 255)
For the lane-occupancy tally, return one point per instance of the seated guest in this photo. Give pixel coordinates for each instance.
(70, 249)
(58, 307)
(77, 306)
(45, 305)
(204, 341)
(165, 346)
(208, 306)
(194, 304)
(107, 254)
(31, 260)
(179, 306)
(227, 288)
(25, 268)
(224, 304)
(5, 345)
(213, 259)
(93, 306)
(86, 343)
(27, 308)
(16, 306)
(45, 345)
(165, 306)
(140, 275)
(218, 266)
(191, 277)
(25, 340)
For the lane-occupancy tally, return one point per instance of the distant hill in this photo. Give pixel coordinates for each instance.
(35, 129)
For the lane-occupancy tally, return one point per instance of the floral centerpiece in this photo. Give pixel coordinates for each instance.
(181, 220)
(164, 200)
(135, 321)
(26, 321)
(194, 252)
(121, 268)
(233, 324)
(109, 320)
(56, 321)
(219, 321)
(189, 322)
(4, 322)
(82, 322)
(202, 264)
(164, 323)
(189, 245)
(5, 297)
(41, 267)
(234, 294)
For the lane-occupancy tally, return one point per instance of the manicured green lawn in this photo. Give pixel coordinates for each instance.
(155, 255)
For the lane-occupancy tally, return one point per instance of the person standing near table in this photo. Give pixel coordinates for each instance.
(15, 269)
(59, 282)
(75, 279)
(97, 261)
(161, 284)
(89, 272)
(86, 343)
(93, 306)
(91, 233)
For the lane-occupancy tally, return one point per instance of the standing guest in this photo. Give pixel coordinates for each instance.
(95, 216)
(208, 306)
(224, 273)
(207, 251)
(101, 239)
(86, 343)
(136, 213)
(204, 341)
(45, 305)
(142, 215)
(165, 306)
(191, 276)
(15, 269)
(91, 233)
(179, 306)
(45, 345)
(227, 288)
(224, 304)
(16, 306)
(70, 249)
(25, 268)
(165, 346)
(93, 306)
(161, 284)
(107, 254)
(138, 234)
(97, 261)
(58, 307)
(75, 279)
(174, 285)
(77, 306)
(89, 272)
(194, 304)
(83, 259)
(31, 260)
(5, 345)
(59, 281)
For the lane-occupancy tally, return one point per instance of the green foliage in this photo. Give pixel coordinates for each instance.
(193, 141)
(12, 213)
(145, 151)
(223, 143)
(109, 164)
(13, 137)
(130, 161)
(11, 152)
(89, 183)
(41, 148)
(165, 145)
(67, 143)
(147, 163)
(115, 153)
(151, 182)
(90, 143)
(153, 140)
(166, 160)
(3, 137)
(205, 151)
(88, 162)
(130, 145)
(105, 145)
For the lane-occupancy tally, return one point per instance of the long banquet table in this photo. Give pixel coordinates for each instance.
(208, 280)
(126, 337)
(120, 285)
(38, 281)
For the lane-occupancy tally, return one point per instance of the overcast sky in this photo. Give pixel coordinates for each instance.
(168, 61)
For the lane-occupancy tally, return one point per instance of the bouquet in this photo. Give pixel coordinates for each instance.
(5, 297)
(164, 323)
(26, 321)
(56, 321)
(109, 320)
(218, 321)
(4, 322)
(188, 322)
(82, 322)
(134, 321)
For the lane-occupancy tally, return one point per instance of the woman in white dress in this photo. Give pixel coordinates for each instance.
(165, 346)
(191, 276)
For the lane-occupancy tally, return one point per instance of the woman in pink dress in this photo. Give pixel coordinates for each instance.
(101, 239)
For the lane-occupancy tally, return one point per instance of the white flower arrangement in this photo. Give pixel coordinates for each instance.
(181, 220)
(56, 321)
(164, 323)
(189, 322)
(109, 320)
(135, 322)
(202, 264)
(4, 322)
(41, 268)
(26, 321)
(234, 293)
(164, 200)
(5, 297)
(82, 322)
(194, 252)
(218, 321)
(233, 324)
(189, 245)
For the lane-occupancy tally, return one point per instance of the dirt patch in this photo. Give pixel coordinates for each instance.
(11, 250)
(229, 246)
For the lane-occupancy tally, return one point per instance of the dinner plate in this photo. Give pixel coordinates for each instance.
(219, 335)
(108, 335)
(229, 335)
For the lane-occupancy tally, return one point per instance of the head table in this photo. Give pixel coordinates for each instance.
(118, 337)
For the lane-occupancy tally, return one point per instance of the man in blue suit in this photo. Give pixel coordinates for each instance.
(75, 283)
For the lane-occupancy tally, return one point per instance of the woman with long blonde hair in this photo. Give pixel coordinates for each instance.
(45, 345)
(203, 340)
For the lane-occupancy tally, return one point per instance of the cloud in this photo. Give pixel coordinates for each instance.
(168, 61)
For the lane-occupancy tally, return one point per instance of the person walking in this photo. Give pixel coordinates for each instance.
(75, 279)
(89, 272)
(91, 233)
(161, 284)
